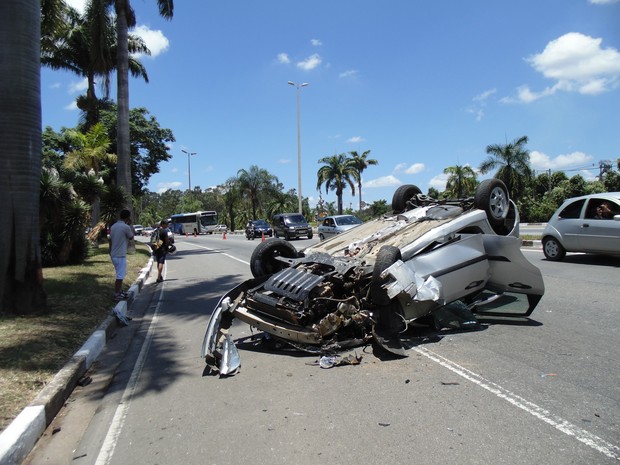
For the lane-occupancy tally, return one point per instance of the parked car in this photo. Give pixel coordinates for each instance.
(221, 228)
(432, 264)
(138, 228)
(148, 231)
(291, 226)
(256, 228)
(590, 223)
(337, 224)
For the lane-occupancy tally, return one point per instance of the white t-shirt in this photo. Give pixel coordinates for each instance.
(120, 234)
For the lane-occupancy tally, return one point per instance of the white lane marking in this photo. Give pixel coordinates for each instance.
(558, 423)
(222, 253)
(114, 432)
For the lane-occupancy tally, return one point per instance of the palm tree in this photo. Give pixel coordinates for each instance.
(125, 18)
(253, 182)
(21, 281)
(91, 150)
(461, 181)
(360, 163)
(336, 174)
(87, 47)
(513, 161)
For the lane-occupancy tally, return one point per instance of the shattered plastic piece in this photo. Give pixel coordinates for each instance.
(231, 361)
(328, 361)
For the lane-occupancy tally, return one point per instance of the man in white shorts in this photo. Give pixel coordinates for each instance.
(121, 233)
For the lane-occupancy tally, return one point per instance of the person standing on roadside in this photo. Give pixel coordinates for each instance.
(162, 241)
(121, 233)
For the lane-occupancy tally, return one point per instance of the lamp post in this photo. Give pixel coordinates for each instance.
(189, 170)
(298, 86)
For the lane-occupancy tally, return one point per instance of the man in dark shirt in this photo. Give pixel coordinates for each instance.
(163, 238)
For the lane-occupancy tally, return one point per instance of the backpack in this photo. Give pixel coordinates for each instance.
(156, 241)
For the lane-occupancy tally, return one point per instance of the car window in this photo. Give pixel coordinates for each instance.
(572, 210)
(326, 222)
(295, 219)
(348, 220)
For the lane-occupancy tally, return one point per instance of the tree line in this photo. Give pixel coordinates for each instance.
(56, 184)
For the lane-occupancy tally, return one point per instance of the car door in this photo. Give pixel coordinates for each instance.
(570, 224)
(599, 234)
(329, 228)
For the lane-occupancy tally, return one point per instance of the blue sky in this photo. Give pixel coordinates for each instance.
(422, 85)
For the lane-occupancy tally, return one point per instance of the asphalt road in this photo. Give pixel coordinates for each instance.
(543, 390)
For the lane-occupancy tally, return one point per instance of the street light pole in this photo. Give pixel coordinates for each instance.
(298, 86)
(189, 170)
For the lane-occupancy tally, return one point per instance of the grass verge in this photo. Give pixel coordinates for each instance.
(33, 348)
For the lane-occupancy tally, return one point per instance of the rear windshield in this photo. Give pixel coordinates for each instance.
(295, 219)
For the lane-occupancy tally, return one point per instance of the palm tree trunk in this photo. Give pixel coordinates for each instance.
(123, 173)
(359, 188)
(21, 277)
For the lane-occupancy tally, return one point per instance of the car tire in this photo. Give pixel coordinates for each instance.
(402, 196)
(552, 249)
(387, 256)
(287, 236)
(310, 235)
(492, 197)
(264, 261)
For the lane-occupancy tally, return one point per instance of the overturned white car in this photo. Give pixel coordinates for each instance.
(433, 262)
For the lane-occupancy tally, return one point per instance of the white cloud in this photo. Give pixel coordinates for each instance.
(164, 186)
(283, 58)
(484, 95)
(72, 106)
(348, 73)
(439, 182)
(310, 63)
(284, 161)
(415, 168)
(316, 42)
(79, 5)
(79, 86)
(383, 181)
(541, 161)
(400, 167)
(155, 40)
(356, 139)
(577, 63)
(603, 2)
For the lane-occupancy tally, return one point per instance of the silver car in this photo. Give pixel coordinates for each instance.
(590, 223)
(337, 224)
(432, 263)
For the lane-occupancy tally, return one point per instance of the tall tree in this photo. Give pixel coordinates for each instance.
(513, 163)
(360, 163)
(21, 277)
(336, 173)
(253, 182)
(125, 18)
(87, 47)
(461, 181)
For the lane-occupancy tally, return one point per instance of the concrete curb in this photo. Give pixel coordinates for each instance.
(19, 438)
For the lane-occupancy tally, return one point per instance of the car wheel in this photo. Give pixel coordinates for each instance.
(387, 256)
(310, 235)
(287, 236)
(403, 196)
(264, 260)
(552, 249)
(492, 197)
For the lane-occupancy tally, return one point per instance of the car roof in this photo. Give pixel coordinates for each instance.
(610, 195)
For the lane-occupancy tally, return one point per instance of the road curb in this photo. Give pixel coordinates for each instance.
(19, 438)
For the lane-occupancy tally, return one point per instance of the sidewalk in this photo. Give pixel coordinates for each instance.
(18, 439)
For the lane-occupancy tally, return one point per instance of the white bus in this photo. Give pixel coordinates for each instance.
(203, 222)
